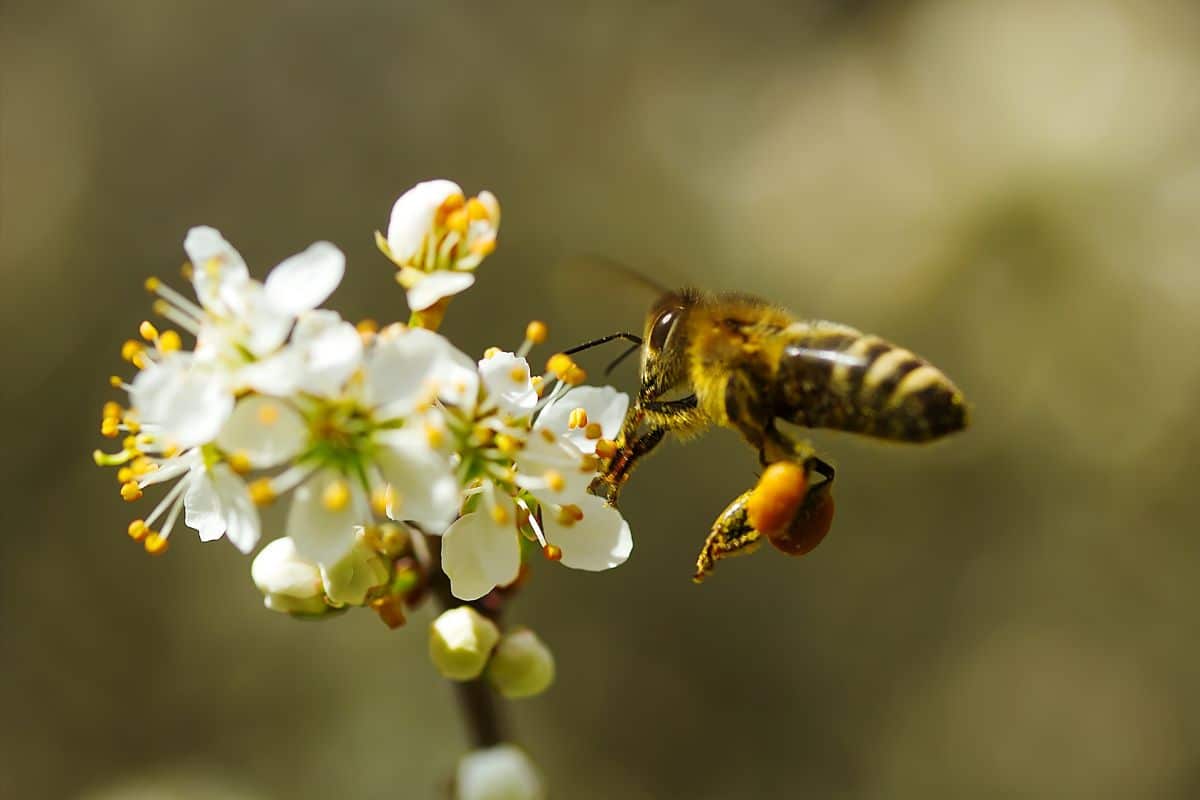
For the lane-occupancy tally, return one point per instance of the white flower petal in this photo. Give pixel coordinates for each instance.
(218, 504)
(604, 405)
(478, 555)
(599, 541)
(278, 374)
(322, 534)
(260, 327)
(426, 490)
(216, 265)
(348, 581)
(508, 384)
(331, 350)
(413, 216)
(305, 280)
(544, 454)
(279, 569)
(436, 285)
(502, 772)
(266, 429)
(409, 365)
(188, 403)
(202, 509)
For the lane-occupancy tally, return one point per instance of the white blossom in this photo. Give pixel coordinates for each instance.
(437, 237)
(502, 772)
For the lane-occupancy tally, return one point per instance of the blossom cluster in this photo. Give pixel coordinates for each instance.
(401, 459)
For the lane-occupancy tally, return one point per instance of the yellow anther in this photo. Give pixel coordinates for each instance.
(130, 491)
(508, 445)
(568, 515)
(477, 210)
(110, 427)
(268, 413)
(593, 430)
(536, 331)
(606, 448)
(147, 331)
(451, 204)
(559, 363)
(336, 496)
(160, 307)
(131, 348)
(131, 443)
(137, 530)
(115, 381)
(170, 450)
(547, 436)
(367, 326)
(152, 283)
(577, 419)
(125, 475)
(435, 436)
(212, 267)
(239, 462)
(141, 465)
(482, 435)
(519, 374)
(500, 515)
(552, 552)
(155, 544)
(484, 247)
(457, 220)
(381, 498)
(261, 492)
(112, 409)
(169, 341)
(539, 383)
(139, 360)
(132, 424)
(187, 270)
(554, 480)
(575, 376)
(492, 352)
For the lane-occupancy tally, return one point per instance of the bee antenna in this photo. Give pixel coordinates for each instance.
(613, 364)
(629, 337)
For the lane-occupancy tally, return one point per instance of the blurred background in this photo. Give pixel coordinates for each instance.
(1009, 188)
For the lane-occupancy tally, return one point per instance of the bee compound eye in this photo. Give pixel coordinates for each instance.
(662, 328)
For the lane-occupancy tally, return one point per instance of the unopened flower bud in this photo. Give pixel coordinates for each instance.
(348, 581)
(522, 665)
(289, 584)
(502, 772)
(460, 642)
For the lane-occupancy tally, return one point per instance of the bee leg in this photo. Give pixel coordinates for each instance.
(607, 485)
(731, 535)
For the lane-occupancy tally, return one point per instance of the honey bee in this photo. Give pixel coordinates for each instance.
(740, 362)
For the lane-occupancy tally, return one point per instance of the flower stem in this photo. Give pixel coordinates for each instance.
(476, 700)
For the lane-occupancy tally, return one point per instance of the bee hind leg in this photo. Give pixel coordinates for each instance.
(731, 535)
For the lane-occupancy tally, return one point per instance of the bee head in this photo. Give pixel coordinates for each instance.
(665, 345)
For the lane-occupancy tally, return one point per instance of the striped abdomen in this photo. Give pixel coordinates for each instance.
(832, 376)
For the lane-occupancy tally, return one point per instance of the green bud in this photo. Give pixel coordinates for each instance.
(522, 665)
(460, 642)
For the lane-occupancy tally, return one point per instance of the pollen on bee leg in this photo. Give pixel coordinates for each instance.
(130, 491)
(552, 552)
(777, 497)
(261, 491)
(155, 544)
(336, 496)
(577, 419)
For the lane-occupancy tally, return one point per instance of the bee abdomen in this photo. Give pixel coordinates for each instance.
(835, 377)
